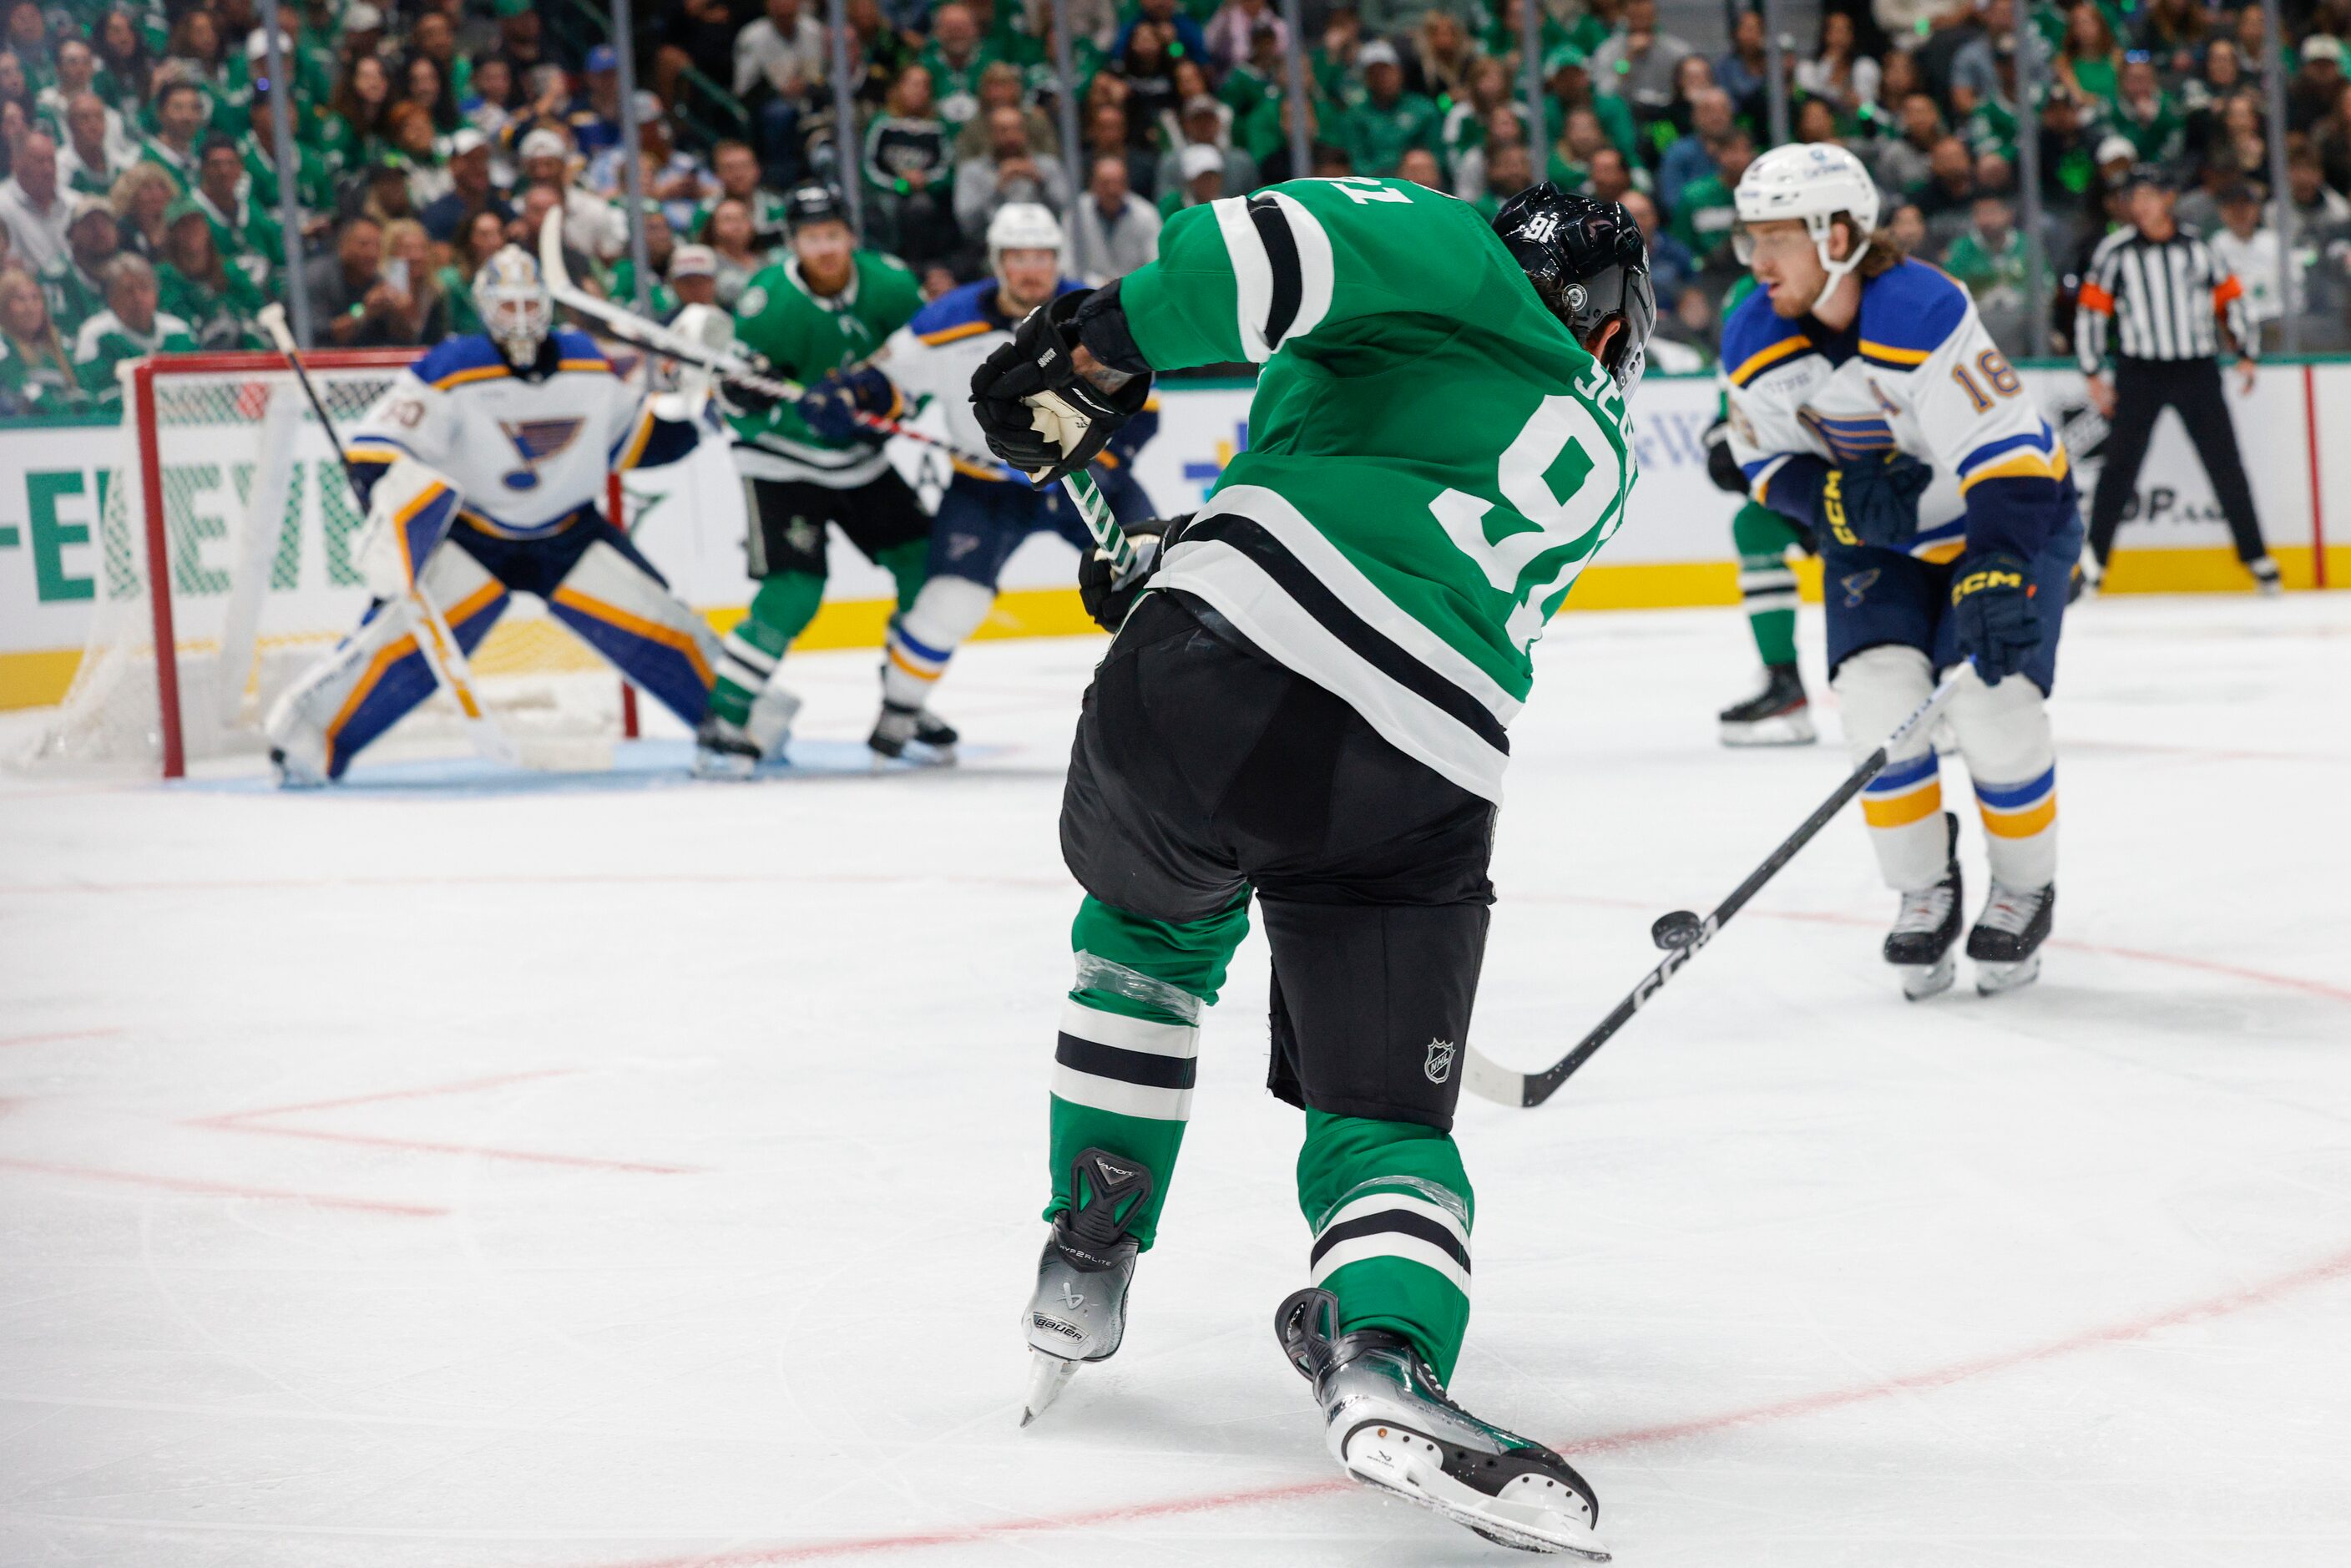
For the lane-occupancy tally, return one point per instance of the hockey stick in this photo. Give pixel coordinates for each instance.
(1682, 934)
(434, 641)
(626, 325)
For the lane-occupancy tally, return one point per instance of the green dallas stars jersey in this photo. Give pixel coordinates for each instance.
(804, 335)
(1431, 457)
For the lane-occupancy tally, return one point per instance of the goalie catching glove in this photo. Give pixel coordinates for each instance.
(1038, 411)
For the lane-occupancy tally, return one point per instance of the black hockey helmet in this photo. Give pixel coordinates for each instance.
(1588, 263)
(813, 204)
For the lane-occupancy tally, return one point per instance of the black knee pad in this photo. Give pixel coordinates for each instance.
(1371, 1005)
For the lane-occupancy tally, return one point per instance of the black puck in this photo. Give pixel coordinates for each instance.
(1680, 929)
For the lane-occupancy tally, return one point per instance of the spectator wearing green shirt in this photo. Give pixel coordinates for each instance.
(1989, 255)
(245, 231)
(89, 160)
(181, 111)
(1378, 132)
(74, 291)
(1704, 221)
(36, 373)
(955, 58)
(2145, 112)
(197, 284)
(476, 244)
(1567, 76)
(130, 327)
(1204, 180)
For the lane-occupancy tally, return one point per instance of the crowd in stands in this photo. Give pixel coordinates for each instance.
(139, 207)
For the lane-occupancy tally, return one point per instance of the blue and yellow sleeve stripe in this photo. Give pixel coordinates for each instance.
(1763, 358)
(2035, 455)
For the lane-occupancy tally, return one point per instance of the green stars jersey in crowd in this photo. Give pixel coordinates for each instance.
(1431, 457)
(804, 335)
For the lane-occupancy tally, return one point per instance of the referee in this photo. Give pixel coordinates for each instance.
(2165, 300)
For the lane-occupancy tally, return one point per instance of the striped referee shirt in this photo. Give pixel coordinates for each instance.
(2158, 299)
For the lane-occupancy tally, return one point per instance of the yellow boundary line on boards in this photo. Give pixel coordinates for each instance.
(38, 679)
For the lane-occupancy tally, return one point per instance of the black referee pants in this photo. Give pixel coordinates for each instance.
(2142, 389)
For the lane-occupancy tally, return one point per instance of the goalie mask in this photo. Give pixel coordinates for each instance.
(1588, 263)
(513, 302)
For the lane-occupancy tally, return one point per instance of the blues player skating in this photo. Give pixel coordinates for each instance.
(482, 468)
(987, 512)
(1868, 401)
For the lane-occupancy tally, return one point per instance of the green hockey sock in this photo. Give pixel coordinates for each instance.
(1767, 584)
(905, 564)
(1391, 1208)
(1130, 1034)
(749, 655)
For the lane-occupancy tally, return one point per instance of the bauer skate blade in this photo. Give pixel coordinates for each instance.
(913, 735)
(1048, 1375)
(293, 773)
(2006, 942)
(769, 725)
(1390, 1424)
(1078, 1312)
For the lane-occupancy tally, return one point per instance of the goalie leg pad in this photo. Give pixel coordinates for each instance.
(2003, 733)
(620, 607)
(1879, 687)
(945, 614)
(376, 675)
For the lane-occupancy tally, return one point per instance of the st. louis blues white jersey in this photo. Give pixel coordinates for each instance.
(1916, 373)
(526, 454)
(934, 355)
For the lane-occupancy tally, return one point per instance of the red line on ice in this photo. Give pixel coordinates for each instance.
(223, 1189)
(2263, 1293)
(57, 1036)
(417, 1146)
(430, 1090)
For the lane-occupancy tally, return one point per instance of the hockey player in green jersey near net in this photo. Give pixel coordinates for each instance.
(1779, 713)
(827, 307)
(1306, 705)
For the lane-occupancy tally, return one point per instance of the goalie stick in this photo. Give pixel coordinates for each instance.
(1683, 934)
(640, 332)
(434, 641)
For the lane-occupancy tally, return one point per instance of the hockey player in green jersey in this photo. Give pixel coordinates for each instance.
(1779, 713)
(828, 307)
(1306, 703)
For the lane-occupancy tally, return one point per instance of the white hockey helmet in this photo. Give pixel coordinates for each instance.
(512, 300)
(1814, 183)
(1021, 226)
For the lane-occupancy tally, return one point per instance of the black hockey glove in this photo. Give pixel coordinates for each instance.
(1992, 610)
(831, 408)
(1720, 466)
(1109, 598)
(1879, 499)
(750, 401)
(1038, 412)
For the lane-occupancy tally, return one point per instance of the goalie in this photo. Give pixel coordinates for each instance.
(480, 468)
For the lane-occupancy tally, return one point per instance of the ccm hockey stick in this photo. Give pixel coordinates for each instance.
(434, 641)
(1681, 934)
(637, 332)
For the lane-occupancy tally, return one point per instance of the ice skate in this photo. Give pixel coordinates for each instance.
(1926, 929)
(2006, 941)
(722, 750)
(901, 726)
(769, 725)
(1079, 1310)
(1778, 715)
(2265, 576)
(1388, 1421)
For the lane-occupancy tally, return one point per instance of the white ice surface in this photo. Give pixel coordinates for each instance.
(631, 1171)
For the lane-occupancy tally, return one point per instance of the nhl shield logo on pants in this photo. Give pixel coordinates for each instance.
(1439, 1065)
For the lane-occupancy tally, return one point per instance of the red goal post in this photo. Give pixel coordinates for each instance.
(227, 533)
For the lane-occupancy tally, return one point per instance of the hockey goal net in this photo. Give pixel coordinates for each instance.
(228, 564)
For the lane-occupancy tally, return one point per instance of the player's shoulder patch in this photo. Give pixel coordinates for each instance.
(958, 313)
(453, 361)
(1906, 313)
(1757, 338)
(578, 351)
